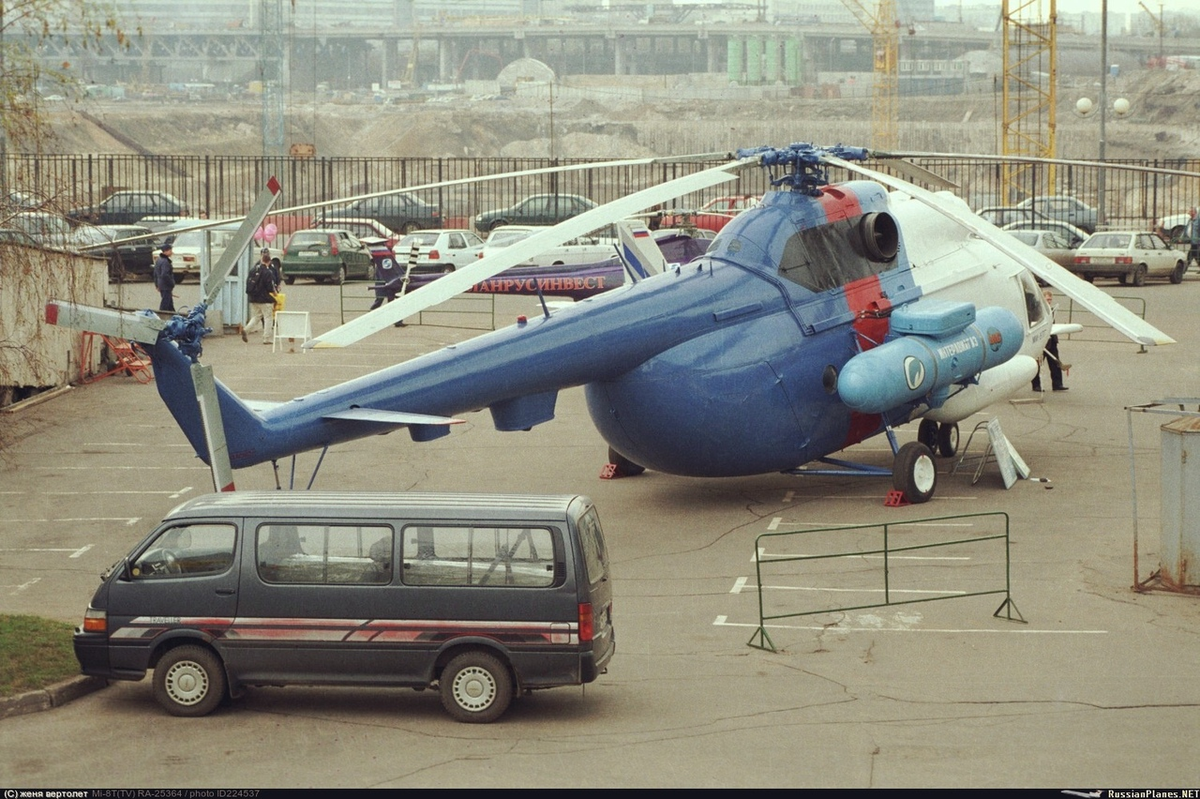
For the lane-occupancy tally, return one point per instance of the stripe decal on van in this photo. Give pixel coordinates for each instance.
(385, 631)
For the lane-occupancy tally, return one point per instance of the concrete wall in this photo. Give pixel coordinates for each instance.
(35, 355)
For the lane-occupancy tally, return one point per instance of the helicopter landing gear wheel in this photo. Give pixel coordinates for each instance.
(625, 467)
(914, 473)
(947, 439)
(927, 433)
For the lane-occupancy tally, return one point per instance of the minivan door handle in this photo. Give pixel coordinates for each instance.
(226, 591)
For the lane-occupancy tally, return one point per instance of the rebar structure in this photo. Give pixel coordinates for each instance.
(885, 94)
(1030, 81)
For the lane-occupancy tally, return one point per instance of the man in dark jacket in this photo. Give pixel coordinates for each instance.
(164, 277)
(260, 285)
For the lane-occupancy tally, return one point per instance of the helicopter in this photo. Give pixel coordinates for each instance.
(829, 314)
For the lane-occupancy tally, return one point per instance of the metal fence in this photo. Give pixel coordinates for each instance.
(226, 185)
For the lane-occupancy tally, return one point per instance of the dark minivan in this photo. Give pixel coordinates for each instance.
(484, 596)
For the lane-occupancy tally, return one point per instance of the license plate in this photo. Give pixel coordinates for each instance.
(308, 254)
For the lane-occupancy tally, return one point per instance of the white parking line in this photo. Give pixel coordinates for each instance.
(129, 521)
(75, 553)
(21, 586)
(738, 585)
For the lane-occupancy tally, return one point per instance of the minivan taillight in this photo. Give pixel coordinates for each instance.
(587, 622)
(95, 621)
(333, 250)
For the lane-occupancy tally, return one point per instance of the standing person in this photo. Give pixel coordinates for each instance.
(164, 277)
(260, 285)
(1053, 363)
(1192, 231)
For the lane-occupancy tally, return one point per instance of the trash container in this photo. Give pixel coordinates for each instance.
(1181, 503)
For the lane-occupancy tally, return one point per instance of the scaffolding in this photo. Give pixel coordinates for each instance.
(885, 94)
(1030, 79)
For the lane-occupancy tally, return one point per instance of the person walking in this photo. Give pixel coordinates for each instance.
(164, 277)
(260, 285)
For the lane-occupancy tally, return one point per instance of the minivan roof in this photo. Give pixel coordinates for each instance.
(370, 504)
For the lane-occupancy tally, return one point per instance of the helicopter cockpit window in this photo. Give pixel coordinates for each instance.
(829, 256)
(1035, 306)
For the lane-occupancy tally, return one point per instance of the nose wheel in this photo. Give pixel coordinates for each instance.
(914, 472)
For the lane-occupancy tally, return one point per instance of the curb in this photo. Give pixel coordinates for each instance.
(50, 697)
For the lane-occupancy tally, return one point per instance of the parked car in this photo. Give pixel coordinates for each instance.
(1072, 235)
(1131, 256)
(326, 254)
(364, 229)
(11, 235)
(1004, 215)
(48, 230)
(1174, 226)
(438, 250)
(538, 209)
(589, 249)
(128, 207)
(125, 259)
(1049, 243)
(189, 248)
(713, 215)
(1063, 209)
(400, 212)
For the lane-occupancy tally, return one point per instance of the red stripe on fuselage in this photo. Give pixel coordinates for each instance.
(866, 301)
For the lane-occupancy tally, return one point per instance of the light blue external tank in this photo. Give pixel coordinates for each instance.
(916, 366)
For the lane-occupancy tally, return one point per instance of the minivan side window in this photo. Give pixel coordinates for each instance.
(189, 550)
(519, 557)
(320, 554)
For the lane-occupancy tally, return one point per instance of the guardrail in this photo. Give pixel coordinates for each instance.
(1094, 329)
(924, 569)
(470, 311)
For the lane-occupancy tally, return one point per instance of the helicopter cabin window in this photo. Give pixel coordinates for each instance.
(520, 557)
(829, 256)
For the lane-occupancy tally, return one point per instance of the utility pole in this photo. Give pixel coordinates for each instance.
(1102, 199)
(271, 69)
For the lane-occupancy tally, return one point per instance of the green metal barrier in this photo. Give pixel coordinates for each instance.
(1093, 328)
(469, 310)
(888, 552)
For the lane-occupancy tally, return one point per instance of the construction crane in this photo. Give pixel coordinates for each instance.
(885, 94)
(1158, 26)
(1030, 44)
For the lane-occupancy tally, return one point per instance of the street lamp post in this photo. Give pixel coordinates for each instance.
(1103, 200)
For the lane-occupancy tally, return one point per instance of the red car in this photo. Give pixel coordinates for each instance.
(713, 215)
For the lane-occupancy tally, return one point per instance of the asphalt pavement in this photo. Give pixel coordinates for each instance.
(1100, 687)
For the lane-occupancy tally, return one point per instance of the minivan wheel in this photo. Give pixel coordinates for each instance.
(476, 687)
(189, 681)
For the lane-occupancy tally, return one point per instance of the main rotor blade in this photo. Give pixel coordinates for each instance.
(503, 176)
(1032, 159)
(1105, 307)
(240, 241)
(454, 283)
(142, 327)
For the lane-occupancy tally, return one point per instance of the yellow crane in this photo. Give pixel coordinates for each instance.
(1030, 44)
(1158, 26)
(885, 95)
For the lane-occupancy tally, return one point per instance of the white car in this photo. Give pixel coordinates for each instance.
(188, 247)
(1131, 256)
(438, 250)
(590, 249)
